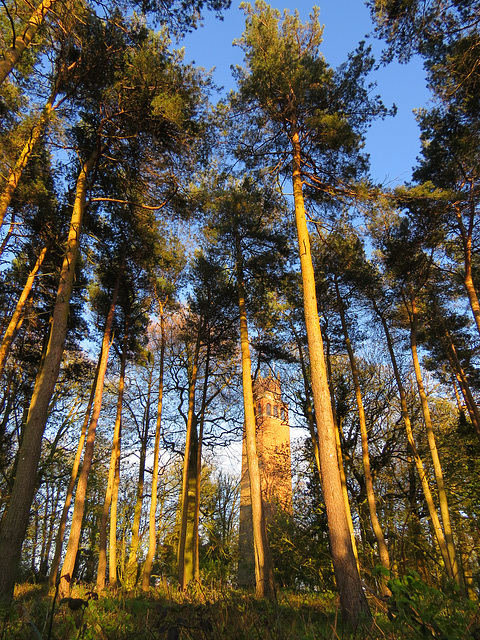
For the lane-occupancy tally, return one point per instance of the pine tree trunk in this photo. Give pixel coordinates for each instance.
(437, 528)
(189, 556)
(264, 579)
(17, 170)
(50, 525)
(185, 561)
(112, 543)
(372, 507)
(308, 410)
(466, 236)
(81, 492)
(314, 438)
(15, 521)
(352, 598)
(341, 466)
(112, 469)
(152, 534)
(437, 467)
(71, 484)
(198, 479)
(9, 233)
(12, 55)
(131, 570)
(459, 373)
(17, 315)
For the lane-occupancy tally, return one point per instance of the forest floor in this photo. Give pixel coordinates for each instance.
(206, 614)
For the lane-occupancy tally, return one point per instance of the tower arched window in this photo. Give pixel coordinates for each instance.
(282, 413)
(259, 409)
(269, 409)
(275, 411)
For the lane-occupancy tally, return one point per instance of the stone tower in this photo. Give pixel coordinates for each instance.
(273, 449)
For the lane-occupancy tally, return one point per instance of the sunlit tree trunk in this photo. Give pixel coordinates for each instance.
(131, 570)
(352, 598)
(308, 410)
(26, 34)
(437, 528)
(112, 470)
(152, 534)
(17, 315)
(466, 234)
(189, 555)
(15, 522)
(185, 553)
(459, 373)
(437, 467)
(71, 485)
(372, 507)
(16, 171)
(264, 579)
(343, 477)
(112, 543)
(341, 466)
(81, 492)
(309, 414)
(198, 478)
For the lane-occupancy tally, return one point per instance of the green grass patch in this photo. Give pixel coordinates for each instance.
(414, 611)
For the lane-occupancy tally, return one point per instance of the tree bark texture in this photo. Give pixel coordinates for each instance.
(17, 315)
(81, 492)
(437, 467)
(372, 507)
(71, 485)
(15, 521)
(341, 466)
(112, 471)
(437, 528)
(198, 479)
(131, 570)
(185, 559)
(352, 598)
(22, 41)
(264, 579)
(152, 534)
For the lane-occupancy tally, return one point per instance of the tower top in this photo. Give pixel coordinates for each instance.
(269, 384)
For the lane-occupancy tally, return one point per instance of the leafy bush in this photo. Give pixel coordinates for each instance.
(422, 611)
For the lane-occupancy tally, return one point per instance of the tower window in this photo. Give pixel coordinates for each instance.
(269, 409)
(275, 411)
(282, 413)
(259, 409)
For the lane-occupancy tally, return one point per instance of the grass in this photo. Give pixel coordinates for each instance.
(201, 613)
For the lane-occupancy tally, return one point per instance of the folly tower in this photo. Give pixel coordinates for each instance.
(273, 449)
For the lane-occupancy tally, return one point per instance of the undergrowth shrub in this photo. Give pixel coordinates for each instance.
(414, 611)
(422, 611)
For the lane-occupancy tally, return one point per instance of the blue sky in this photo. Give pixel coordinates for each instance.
(393, 144)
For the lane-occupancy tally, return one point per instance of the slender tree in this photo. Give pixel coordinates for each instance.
(126, 119)
(71, 485)
(78, 511)
(377, 529)
(442, 495)
(264, 579)
(294, 106)
(185, 554)
(152, 538)
(113, 476)
(14, 524)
